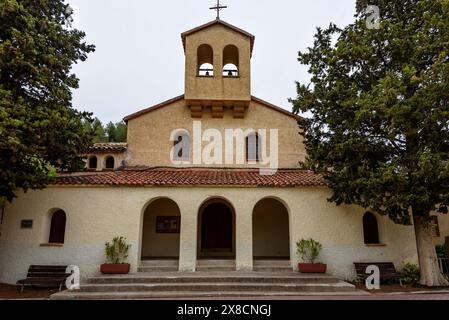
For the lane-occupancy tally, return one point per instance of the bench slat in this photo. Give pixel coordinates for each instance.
(45, 276)
(387, 270)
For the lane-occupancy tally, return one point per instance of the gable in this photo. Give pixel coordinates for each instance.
(226, 25)
(181, 97)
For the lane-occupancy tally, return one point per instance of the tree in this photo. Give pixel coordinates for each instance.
(379, 124)
(98, 131)
(121, 132)
(110, 131)
(40, 132)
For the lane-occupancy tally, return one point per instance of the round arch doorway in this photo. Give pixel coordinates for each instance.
(161, 230)
(216, 230)
(271, 230)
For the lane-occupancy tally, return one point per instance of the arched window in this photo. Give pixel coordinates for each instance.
(230, 61)
(370, 229)
(205, 61)
(110, 162)
(93, 162)
(57, 227)
(253, 148)
(181, 148)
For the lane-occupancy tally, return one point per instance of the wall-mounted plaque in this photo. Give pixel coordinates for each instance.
(26, 224)
(169, 224)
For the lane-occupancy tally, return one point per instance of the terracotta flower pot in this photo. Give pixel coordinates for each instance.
(312, 267)
(108, 268)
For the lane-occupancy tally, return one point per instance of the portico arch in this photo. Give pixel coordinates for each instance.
(216, 229)
(161, 230)
(271, 230)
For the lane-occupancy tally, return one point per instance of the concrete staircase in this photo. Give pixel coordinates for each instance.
(221, 284)
(215, 265)
(272, 265)
(165, 265)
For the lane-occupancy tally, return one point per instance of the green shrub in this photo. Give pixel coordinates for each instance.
(441, 251)
(117, 251)
(410, 274)
(309, 250)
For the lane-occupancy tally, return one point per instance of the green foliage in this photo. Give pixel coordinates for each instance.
(378, 100)
(116, 132)
(121, 132)
(40, 132)
(410, 274)
(309, 250)
(117, 251)
(110, 133)
(441, 251)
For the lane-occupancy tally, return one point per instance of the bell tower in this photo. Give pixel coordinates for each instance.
(218, 69)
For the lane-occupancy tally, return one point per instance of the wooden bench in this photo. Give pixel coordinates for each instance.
(387, 270)
(45, 277)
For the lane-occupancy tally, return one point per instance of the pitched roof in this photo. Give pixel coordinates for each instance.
(108, 147)
(153, 108)
(220, 22)
(181, 97)
(276, 108)
(171, 177)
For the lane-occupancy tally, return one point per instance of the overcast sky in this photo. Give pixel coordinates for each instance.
(139, 58)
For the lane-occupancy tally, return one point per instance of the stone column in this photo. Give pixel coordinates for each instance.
(188, 238)
(244, 237)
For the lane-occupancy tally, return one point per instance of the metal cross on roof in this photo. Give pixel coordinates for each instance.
(218, 7)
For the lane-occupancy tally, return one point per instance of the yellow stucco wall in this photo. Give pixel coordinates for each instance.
(218, 87)
(96, 215)
(149, 135)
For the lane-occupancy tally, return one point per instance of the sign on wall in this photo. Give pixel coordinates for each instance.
(26, 224)
(168, 224)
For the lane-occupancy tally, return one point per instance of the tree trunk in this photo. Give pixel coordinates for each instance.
(431, 275)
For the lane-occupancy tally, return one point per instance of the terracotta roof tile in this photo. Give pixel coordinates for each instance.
(193, 177)
(105, 147)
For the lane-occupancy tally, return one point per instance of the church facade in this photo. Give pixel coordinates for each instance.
(211, 174)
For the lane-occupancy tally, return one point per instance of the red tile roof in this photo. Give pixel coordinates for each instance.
(105, 147)
(193, 177)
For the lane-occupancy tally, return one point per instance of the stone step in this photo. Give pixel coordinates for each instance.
(160, 263)
(215, 262)
(272, 269)
(274, 263)
(229, 278)
(272, 266)
(172, 285)
(188, 294)
(205, 265)
(220, 287)
(157, 269)
(215, 268)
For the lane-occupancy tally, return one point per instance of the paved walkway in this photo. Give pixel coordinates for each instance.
(370, 297)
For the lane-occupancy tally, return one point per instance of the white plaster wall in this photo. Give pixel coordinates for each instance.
(96, 215)
(119, 156)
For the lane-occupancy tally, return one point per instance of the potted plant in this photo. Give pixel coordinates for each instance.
(309, 250)
(116, 254)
